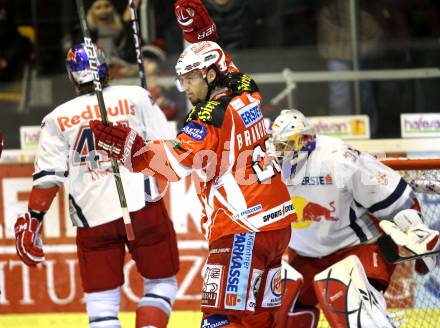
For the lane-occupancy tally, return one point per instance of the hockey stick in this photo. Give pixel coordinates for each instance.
(389, 250)
(137, 42)
(91, 52)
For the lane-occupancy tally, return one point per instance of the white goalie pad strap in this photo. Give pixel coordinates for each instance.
(308, 318)
(348, 299)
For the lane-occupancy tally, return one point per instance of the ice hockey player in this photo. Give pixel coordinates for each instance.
(67, 152)
(339, 194)
(247, 208)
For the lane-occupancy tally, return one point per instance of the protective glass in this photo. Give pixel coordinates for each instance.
(189, 79)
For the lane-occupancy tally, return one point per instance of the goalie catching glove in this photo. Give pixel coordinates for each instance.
(409, 231)
(194, 20)
(27, 239)
(119, 142)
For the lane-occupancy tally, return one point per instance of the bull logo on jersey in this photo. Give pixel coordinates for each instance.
(309, 212)
(382, 179)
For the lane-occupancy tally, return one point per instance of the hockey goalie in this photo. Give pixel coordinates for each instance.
(345, 200)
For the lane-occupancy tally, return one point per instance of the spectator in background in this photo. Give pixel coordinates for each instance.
(335, 46)
(15, 49)
(239, 24)
(424, 18)
(234, 20)
(112, 32)
(245, 24)
(154, 57)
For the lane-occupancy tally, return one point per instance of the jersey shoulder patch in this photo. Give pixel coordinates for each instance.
(239, 83)
(209, 112)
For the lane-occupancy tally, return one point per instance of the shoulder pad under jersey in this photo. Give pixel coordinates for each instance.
(209, 112)
(239, 83)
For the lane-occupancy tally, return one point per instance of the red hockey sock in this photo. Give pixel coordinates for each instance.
(151, 316)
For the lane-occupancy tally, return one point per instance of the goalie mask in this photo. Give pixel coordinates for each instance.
(288, 131)
(200, 56)
(78, 64)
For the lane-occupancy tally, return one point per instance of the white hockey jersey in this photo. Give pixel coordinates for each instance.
(336, 190)
(66, 151)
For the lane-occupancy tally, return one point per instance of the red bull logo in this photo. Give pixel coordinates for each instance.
(309, 212)
(316, 212)
(71, 56)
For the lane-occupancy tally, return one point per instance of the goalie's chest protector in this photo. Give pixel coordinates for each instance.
(67, 148)
(323, 191)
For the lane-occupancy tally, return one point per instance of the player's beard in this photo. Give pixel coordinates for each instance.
(195, 101)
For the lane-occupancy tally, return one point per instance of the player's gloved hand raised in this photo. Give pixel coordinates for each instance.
(27, 239)
(119, 142)
(194, 20)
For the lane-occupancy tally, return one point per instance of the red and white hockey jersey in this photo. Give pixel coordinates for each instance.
(66, 152)
(223, 144)
(333, 190)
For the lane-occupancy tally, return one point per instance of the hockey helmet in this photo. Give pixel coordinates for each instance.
(200, 56)
(288, 130)
(78, 64)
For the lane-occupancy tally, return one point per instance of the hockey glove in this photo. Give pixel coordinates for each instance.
(119, 142)
(194, 20)
(409, 231)
(27, 239)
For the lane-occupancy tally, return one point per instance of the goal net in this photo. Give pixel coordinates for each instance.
(417, 297)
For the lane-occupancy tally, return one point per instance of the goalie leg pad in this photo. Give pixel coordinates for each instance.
(292, 281)
(154, 308)
(348, 299)
(103, 308)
